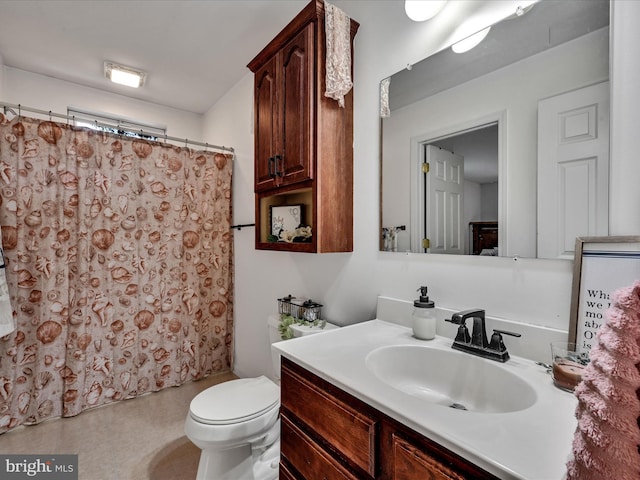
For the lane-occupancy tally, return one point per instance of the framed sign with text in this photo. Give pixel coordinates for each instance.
(601, 266)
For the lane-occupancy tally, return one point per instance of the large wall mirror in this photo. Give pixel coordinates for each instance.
(506, 129)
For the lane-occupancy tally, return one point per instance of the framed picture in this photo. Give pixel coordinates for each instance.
(602, 265)
(286, 217)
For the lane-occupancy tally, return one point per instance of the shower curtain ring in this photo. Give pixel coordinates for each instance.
(49, 115)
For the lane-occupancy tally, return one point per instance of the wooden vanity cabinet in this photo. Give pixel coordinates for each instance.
(327, 434)
(303, 152)
(411, 456)
(343, 428)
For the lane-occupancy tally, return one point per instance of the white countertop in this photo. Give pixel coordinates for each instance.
(531, 444)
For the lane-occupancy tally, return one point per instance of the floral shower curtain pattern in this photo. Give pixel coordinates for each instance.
(119, 266)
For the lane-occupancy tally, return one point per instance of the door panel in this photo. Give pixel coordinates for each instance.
(297, 74)
(573, 169)
(266, 125)
(445, 194)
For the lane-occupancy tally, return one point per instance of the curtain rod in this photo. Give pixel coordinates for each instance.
(238, 227)
(51, 114)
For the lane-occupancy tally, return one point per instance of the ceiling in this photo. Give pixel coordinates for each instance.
(192, 51)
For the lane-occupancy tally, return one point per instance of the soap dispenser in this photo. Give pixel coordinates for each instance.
(423, 318)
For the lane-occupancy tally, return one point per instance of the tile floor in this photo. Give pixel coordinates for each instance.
(136, 439)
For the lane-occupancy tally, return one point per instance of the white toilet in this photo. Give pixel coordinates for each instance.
(236, 424)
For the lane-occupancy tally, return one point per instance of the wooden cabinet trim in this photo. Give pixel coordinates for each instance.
(343, 427)
(396, 452)
(285, 473)
(313, 12)
(309, 458)
(409, 461)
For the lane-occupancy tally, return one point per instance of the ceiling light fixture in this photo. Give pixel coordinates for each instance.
(470, 42)
(422, 10)
(131, 77)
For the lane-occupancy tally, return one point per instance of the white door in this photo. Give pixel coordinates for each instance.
(445, 188)
(573, 169)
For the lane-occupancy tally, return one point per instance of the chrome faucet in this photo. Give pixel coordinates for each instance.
(477, 343)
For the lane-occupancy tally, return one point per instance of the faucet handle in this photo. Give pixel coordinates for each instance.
(504, 332)
(496, 340)
(462, 336)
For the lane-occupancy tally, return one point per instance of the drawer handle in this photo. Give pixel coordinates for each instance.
(272, 167)
(280, 171)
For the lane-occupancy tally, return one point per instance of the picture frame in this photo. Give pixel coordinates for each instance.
(286, 217)
(601, 266)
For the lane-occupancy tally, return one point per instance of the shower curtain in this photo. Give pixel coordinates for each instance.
(118, 256)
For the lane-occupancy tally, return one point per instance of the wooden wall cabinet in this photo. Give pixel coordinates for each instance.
(328, 434)
(303, 152)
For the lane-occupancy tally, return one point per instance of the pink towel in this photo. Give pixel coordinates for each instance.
(606, 441)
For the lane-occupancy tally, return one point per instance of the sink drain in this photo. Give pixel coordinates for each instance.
(457, 406)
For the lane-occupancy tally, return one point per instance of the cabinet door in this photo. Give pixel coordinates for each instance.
(307, 457)
(284, 473)
(413, 463)
(298, 126)
(266, 128)
(342, 425)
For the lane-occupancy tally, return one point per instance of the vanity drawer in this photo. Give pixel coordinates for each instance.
(342, 423)
(284, 473)
(311, 461)
(411, 462)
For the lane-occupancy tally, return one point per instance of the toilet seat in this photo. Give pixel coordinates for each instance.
(235, 401)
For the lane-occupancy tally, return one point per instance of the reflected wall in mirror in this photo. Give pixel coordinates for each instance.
(555, 48)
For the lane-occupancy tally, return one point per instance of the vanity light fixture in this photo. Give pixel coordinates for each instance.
(129, 76)
(471, 41)
(468, 43)
(422, 10)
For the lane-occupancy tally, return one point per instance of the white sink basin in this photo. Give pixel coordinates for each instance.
(451, 378)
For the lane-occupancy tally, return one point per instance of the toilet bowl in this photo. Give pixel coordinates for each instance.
(236, 426)
(236, 423)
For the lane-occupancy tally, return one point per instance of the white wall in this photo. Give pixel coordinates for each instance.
(47, 93)
(624, 197)
(489, 202)
(526, 290)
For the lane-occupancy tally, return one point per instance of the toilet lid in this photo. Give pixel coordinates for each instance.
(235, 401)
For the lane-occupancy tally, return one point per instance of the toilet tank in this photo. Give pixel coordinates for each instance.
(273, 322)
